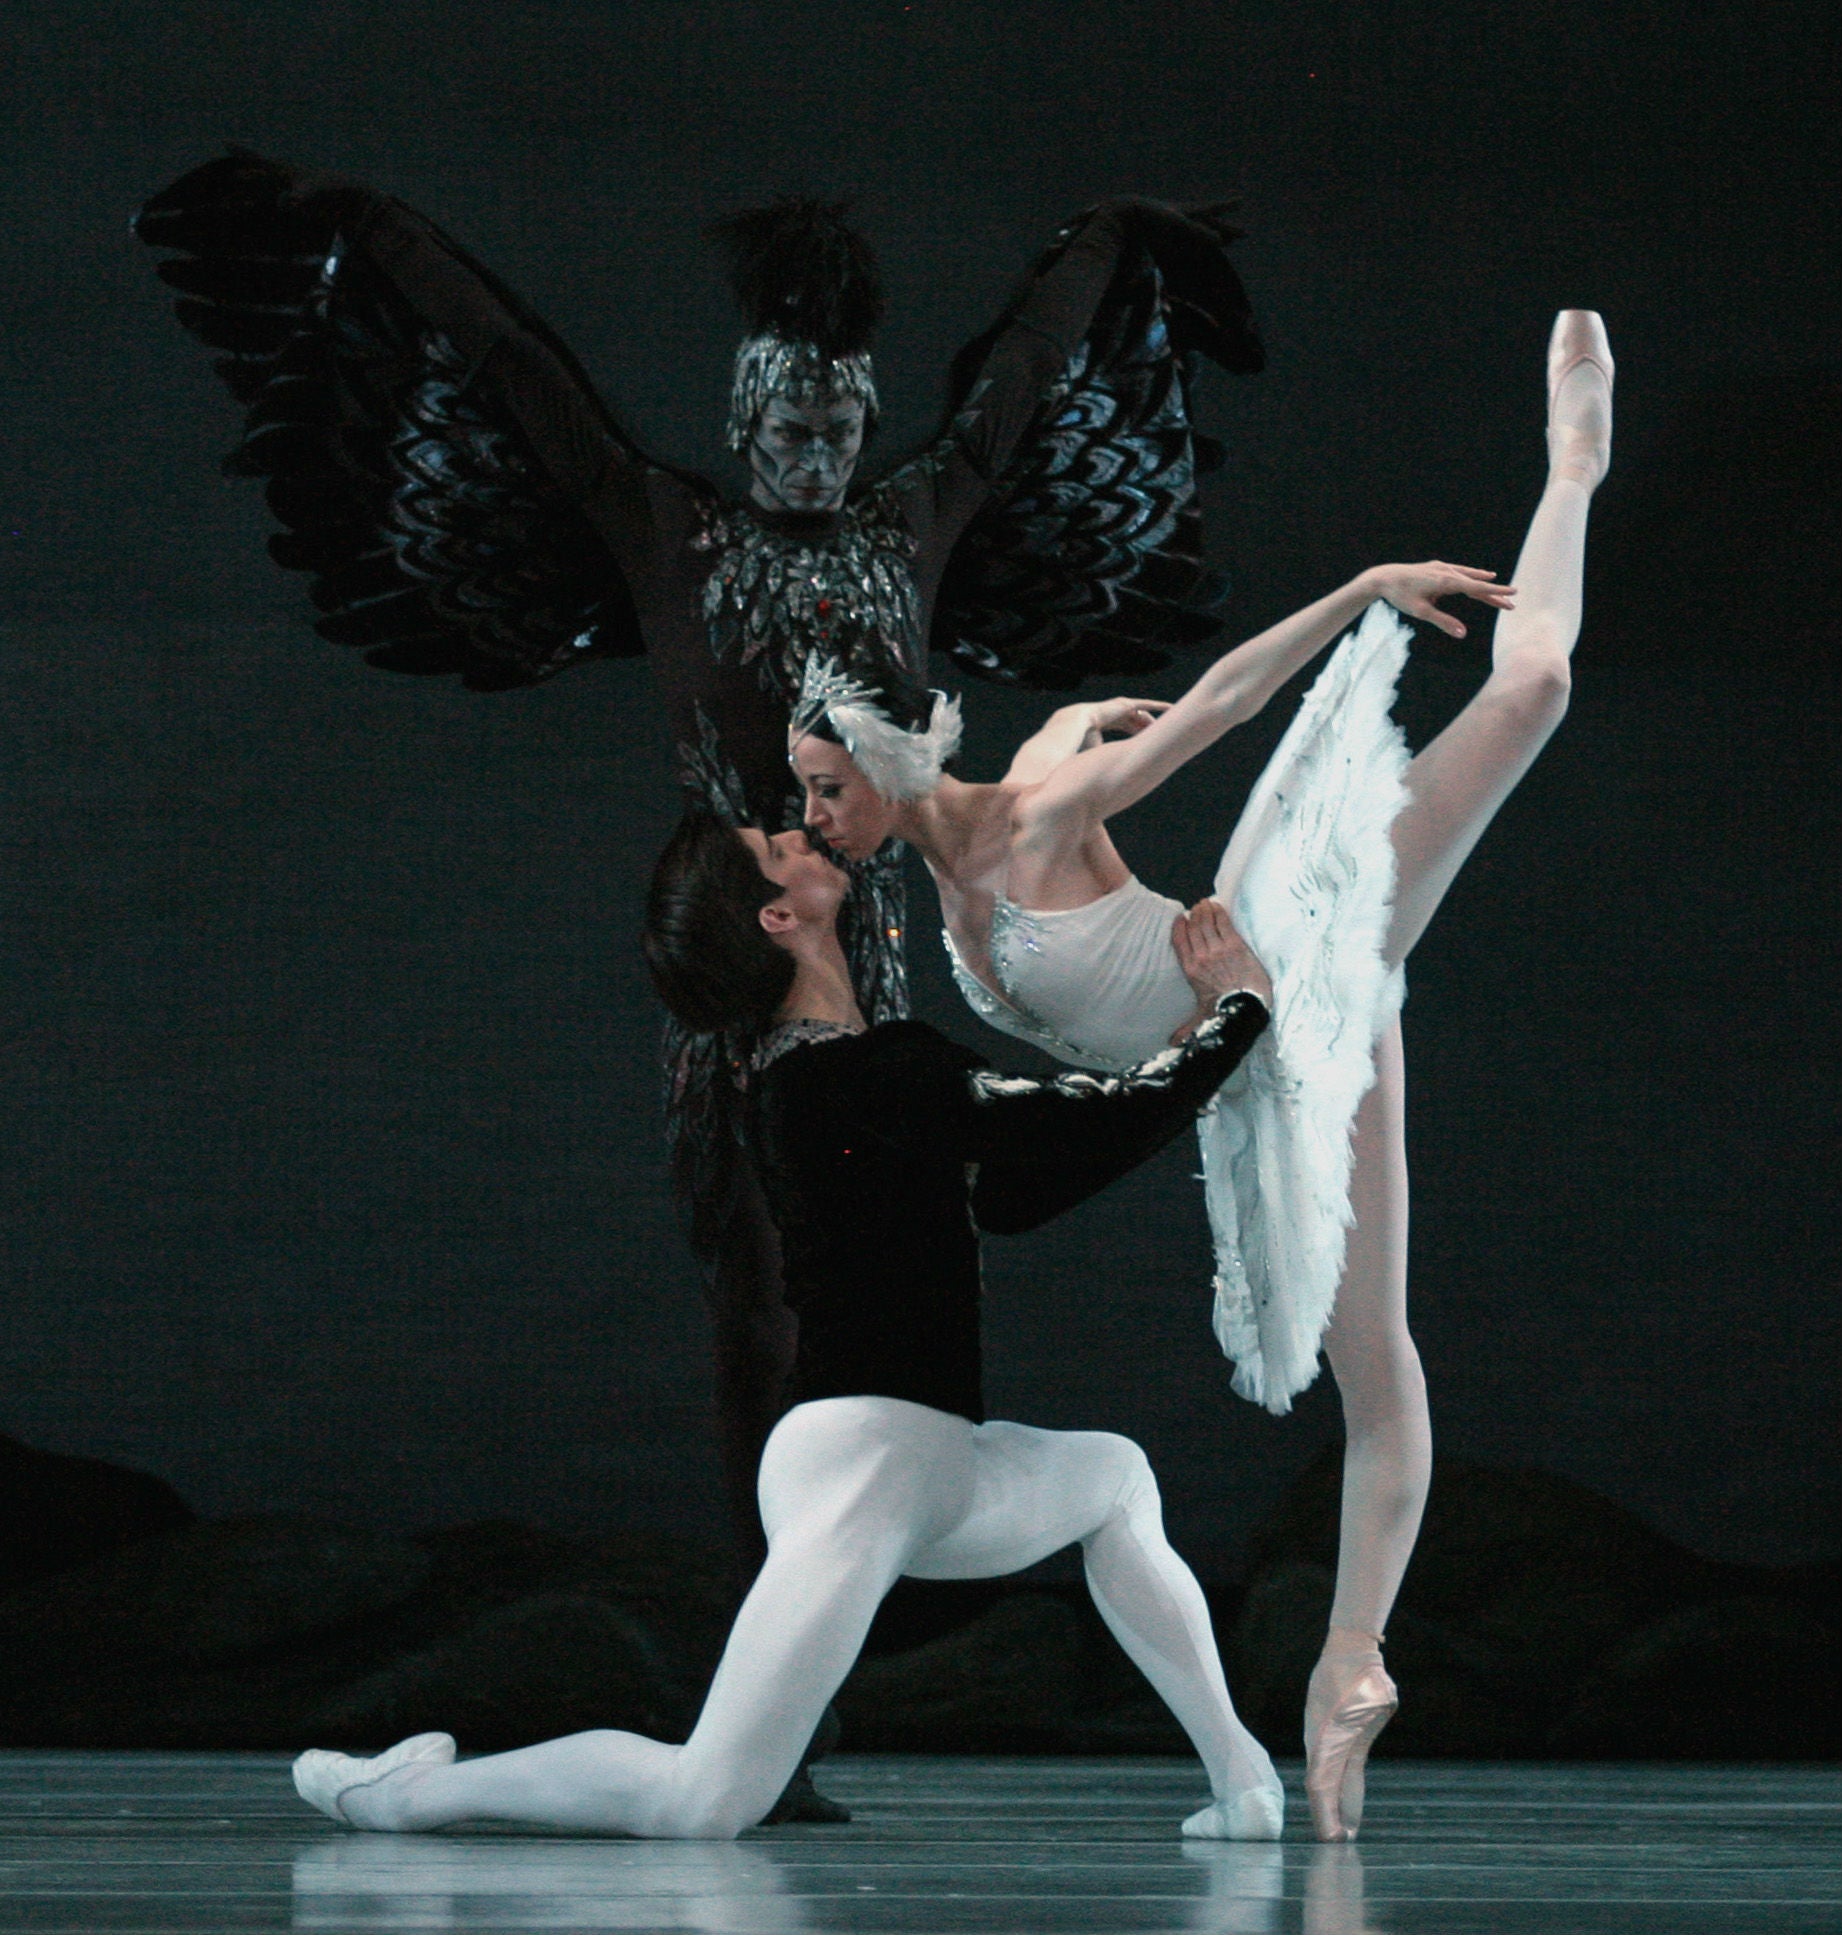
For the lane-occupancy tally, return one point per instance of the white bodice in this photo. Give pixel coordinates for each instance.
(1098, 986)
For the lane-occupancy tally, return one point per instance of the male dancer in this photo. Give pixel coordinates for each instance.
(466, 504)
(878, 1148)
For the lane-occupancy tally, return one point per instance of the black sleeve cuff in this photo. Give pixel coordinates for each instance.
(1235, 1012)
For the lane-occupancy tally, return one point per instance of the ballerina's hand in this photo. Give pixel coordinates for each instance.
(1126, 716)
(1215, 961)
(1416, 588)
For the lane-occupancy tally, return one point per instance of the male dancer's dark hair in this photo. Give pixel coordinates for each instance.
(710, 958)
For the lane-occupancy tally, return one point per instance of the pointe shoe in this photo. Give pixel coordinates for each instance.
(1579, 337)
(321, 1776)
(1254, 1814)
(1336, 1755)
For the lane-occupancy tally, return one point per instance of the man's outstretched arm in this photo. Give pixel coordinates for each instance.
(1044, 1144)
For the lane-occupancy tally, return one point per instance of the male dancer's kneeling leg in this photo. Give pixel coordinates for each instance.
(873, 1145)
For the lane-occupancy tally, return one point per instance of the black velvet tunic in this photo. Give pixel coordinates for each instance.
(884, 1154)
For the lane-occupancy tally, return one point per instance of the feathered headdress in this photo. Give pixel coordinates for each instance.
(810, 295)
(901, 763)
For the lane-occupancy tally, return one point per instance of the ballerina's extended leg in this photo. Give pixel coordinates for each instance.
(1454, 789)
(1459, 781)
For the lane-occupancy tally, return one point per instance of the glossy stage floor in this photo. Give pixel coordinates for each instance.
(106, 1844)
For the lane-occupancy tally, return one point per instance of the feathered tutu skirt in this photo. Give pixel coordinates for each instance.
(1308, 877)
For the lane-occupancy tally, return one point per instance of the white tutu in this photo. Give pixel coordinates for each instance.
(1309, 880)
(1308, 877)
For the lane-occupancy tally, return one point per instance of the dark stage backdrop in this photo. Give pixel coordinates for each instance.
(332, 1165)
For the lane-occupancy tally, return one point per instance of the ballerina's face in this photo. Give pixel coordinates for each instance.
(842, 808)
(803, 454)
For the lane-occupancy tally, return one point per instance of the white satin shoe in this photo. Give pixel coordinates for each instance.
(1254, 1814)
(322, 1776)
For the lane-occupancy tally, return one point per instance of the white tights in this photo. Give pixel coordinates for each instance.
(856, 1493)
(1454, 789)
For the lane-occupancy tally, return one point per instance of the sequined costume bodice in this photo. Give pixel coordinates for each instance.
(1097, 986)
(783, 588)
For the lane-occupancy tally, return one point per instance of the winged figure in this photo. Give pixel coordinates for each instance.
(463, 504)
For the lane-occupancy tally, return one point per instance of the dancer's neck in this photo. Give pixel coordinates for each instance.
(821, 989)
(939, 824)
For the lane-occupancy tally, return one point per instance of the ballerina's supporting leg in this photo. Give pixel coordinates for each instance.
(1454, 789)
(1387, 1457)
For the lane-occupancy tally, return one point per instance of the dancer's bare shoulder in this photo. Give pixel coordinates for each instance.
(968, 831)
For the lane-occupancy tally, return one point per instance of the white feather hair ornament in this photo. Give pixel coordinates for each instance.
(900, 764)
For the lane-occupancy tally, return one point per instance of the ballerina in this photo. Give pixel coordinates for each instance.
(1343, 854)
(885, 1465)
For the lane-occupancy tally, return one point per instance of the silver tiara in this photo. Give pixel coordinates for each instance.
(771, 365)
(900, 764)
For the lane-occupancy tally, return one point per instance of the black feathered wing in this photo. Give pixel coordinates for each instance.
(442, 468)
(1086, 556)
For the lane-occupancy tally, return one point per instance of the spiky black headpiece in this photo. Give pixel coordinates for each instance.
(811, 297)
(799, 270)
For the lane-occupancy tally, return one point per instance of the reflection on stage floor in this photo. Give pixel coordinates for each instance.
(189, 1844)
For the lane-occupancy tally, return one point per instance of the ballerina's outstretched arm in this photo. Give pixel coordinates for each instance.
(1093, 781)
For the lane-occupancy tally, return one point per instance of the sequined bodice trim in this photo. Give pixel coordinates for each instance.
(1011, 925)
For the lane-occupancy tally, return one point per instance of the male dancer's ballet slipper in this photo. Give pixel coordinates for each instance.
(1254, 1814)
(802, 1802)
(1336, 1754)
(322, 1776)
(1579, 337)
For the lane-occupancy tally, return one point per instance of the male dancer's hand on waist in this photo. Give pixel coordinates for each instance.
(1215, 961)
